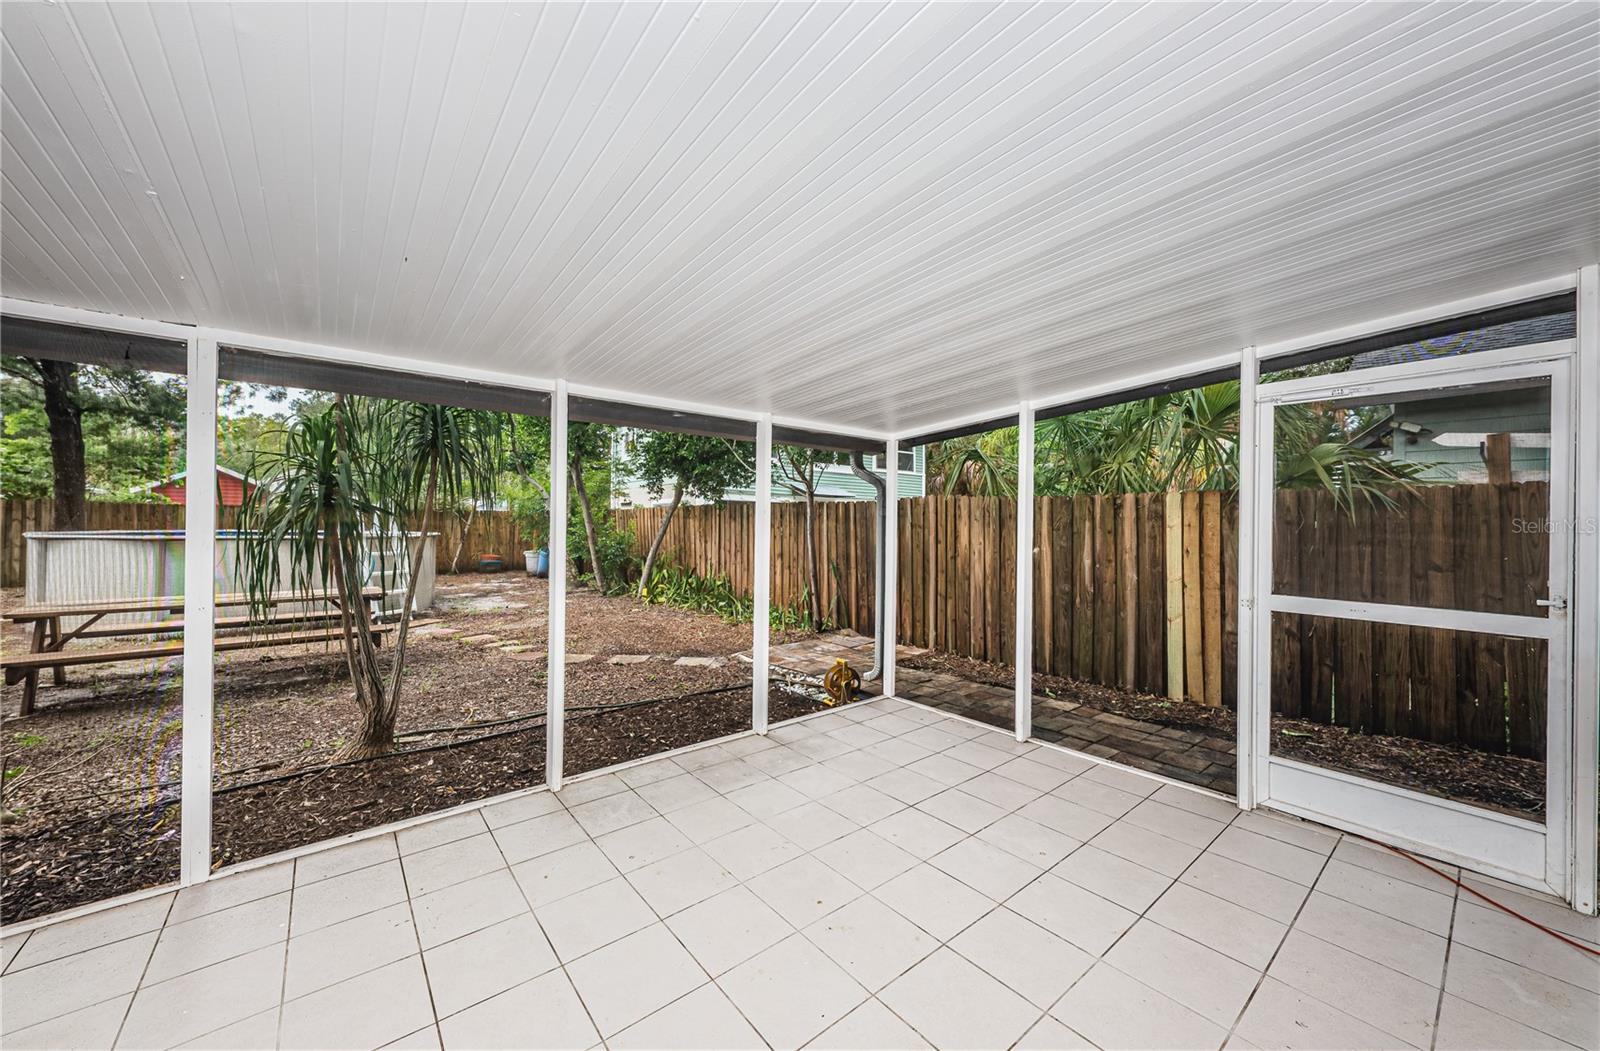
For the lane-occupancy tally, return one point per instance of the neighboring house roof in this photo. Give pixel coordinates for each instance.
(1496, 337)
(1375, 434)
(185, 473)
(231, 485)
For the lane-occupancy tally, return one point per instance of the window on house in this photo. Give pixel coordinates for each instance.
(908, 460)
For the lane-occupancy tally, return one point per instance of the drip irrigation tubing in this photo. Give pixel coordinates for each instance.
(308, 771)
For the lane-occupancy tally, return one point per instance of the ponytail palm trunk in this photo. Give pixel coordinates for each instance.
(350, 477)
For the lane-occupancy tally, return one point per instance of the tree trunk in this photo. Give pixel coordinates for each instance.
(588, 523)
(65, 418)
(461, 541)
(415, 563)
(376, 735)
(655, 543)
(812, 575)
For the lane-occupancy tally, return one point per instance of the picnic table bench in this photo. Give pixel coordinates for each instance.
(48, 643)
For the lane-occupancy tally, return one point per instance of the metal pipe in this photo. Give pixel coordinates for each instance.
(880, 494)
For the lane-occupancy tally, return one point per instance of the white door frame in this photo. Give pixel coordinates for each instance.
(1524, 852)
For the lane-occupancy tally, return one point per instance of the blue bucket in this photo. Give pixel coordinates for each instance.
(539, 565)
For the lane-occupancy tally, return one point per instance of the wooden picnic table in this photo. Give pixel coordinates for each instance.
(49, 641)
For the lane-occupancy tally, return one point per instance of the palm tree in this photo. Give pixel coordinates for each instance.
(434, 454)
(347, 473)
(1183, 441)
(975, 465)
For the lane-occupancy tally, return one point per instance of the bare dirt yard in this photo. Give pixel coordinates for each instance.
(93, 776)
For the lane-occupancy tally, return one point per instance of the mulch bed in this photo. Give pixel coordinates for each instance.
(88, 859)
(257, 820)
(114, 853)
(1500, 782)
(1507, 783)
(99, 815)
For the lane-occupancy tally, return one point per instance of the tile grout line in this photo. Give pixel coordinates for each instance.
(1444, 972)
(1142, 915)
(26, 935)
(80, 952)
(795, 930)
(711, 979)
(139, 985)
(416, 934)
(943, 943)
(873, 995)
(1449, 939)
(561, 964)
(288, 936)
(662, 920)
(1491, 1009)
(1288, 930)
(172, 926)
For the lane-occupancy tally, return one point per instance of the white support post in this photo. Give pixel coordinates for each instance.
(199, 603)
(1585, 601)
(1023, 655)
(556, 678)
(1246, 657)
(761, 589)
(890, 596)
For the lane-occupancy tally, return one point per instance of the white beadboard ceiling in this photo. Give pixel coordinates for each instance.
(875, 215)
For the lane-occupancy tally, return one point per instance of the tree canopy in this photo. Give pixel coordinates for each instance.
(1187, 440)
(132, 429)
(701, 466)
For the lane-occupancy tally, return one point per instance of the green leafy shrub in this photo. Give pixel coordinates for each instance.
(613, 548)
(673, 586)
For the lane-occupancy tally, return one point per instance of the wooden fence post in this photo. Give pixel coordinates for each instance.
(1211, 561)
(1174, 564)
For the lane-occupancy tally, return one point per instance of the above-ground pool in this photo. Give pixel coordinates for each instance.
(98, 566)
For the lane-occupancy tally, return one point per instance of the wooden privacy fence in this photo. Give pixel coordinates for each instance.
(491, 531)
(720, 541)
(485, 532)
(1483, 548)
(19, 517)
(1137, 590)
(1140, 591)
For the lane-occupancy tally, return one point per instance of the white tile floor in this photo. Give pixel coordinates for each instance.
(880, 877)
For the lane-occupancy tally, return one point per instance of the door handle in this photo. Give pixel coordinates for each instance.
(1558, 603)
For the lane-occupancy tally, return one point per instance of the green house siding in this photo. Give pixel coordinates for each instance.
(838, 482)
(841, 483)
(1524, 415)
